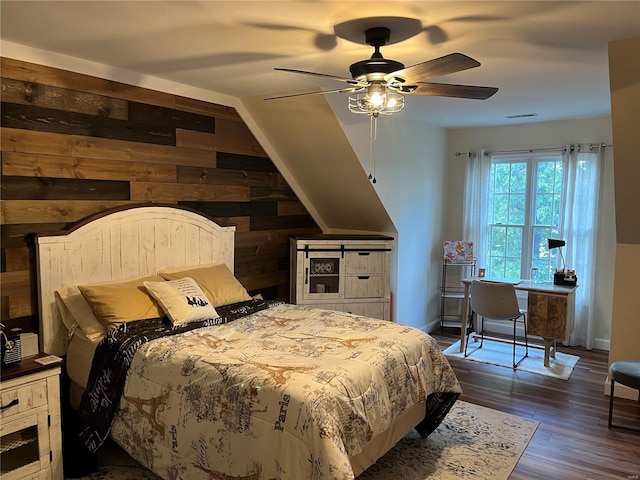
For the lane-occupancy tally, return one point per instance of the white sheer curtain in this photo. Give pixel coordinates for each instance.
(583, 167)
(475, 221)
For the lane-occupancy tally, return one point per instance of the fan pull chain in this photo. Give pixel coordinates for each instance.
(372, 147)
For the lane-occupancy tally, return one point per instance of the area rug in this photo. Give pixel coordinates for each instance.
(500, 353)
(473, 442)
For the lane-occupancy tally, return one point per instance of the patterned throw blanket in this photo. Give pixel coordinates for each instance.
(113, 358)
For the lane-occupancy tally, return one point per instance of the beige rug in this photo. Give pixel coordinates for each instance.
(472, 442)
(501, 353)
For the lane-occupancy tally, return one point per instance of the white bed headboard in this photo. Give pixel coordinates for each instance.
(120, 243)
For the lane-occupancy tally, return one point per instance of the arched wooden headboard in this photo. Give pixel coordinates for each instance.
(120, 243)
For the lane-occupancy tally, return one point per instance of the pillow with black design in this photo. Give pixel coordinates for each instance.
(182, 300)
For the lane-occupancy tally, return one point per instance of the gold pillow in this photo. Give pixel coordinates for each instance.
(182, 300)
(116, 303)
(216, 281)
(75, 310)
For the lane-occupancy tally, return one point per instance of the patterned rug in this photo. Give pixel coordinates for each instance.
(472, 442)
(501, 353)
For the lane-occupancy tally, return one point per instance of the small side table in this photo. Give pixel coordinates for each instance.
(31, 443)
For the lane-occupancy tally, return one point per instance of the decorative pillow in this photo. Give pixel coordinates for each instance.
(75, 311)
(216, 281)
(182, 300)
(127, 301)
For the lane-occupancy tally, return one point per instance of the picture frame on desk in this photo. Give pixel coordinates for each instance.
(482, 272)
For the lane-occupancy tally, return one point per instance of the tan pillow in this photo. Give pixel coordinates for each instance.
(117, 303)
(182, 300)
(216, 281)
(75, 310)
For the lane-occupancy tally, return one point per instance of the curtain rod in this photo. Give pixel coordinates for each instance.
(531, 150)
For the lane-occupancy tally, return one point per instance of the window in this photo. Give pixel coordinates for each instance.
(525, 206)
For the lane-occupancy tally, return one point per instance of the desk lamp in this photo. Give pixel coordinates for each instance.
(564, 277)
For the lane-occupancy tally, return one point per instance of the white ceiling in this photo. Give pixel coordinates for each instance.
(548, 58)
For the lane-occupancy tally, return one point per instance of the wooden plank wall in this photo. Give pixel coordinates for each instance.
(73, 145)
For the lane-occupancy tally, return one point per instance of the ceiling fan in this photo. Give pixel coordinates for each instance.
(379, 84)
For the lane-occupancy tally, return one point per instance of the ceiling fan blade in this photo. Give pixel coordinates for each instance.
(304, 94)
(457, 91)
(350, 81)
(452, 63)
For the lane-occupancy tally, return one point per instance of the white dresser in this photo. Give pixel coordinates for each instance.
(349, 273)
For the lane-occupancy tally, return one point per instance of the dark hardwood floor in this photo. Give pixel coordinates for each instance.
(572, 440)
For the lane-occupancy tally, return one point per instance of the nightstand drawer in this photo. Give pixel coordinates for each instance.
(22, 399)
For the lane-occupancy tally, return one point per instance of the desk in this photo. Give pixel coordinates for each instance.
(548, 308)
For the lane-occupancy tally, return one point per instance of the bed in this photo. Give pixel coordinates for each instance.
(258, 389)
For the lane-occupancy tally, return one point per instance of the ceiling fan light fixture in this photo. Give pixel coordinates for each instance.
(376, 102)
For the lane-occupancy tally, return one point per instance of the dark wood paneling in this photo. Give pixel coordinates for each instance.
(234, 209)
(39, 188)
(285, 223)
(173, 192)
(170, 117)
(20, 258)
(72, 123)
(35, 94)
(53, 211)
(21, 235)
(245, 162)
(73, 145)
(29, 141)
(36, 165)
(221, 176)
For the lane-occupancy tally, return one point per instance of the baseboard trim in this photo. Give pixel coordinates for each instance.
(621, 391)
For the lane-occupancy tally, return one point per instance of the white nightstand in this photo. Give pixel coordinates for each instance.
(31, 439)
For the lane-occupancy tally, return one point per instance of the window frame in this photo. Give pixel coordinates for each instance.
(546, 262)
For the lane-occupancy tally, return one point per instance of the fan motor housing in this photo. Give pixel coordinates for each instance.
(374, 68)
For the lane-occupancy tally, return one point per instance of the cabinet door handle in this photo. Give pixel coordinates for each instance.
(363, 277)
(362, 254)
(10, 404)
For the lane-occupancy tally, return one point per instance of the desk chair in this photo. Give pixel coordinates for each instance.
(497, 301)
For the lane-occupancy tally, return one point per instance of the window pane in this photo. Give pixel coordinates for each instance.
(496, 267)
(513, 268)
(546, 177)
(502, 177)
(544, 209)
(497, 241)
(517, 209)
(519, 177)
(500, 209)
(514, 242)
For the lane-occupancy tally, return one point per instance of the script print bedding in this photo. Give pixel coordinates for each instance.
(285, 393)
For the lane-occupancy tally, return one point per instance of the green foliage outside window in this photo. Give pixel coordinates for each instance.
(525, 206)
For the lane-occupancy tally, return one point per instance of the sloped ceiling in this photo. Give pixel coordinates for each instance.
(316, 154)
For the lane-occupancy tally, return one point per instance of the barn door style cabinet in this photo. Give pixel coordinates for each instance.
(346, 273)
